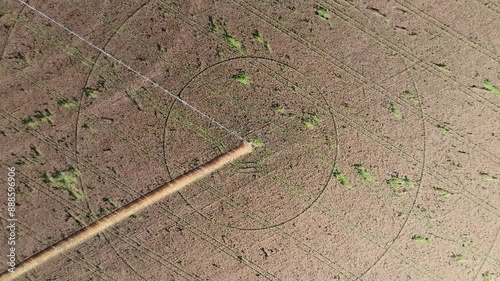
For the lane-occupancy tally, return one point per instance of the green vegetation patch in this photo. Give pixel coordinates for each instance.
(398, 184)
(487, 276)
(256, 142)
(488, 86)
(35, 151)
(363, 172)
(29, 122)
(323, 13)
(232, 41)
(257, 36)
(421, 239)
(341, 179)
(213, 25)
(44, 116)
(393, 108)
(443, 192)
(65, 180)
(279, 108)
(487, 176)
(411, 96)
(66, 103)
(443, 129)
(458, 257)
(442, 66)
(90, 92)
(242, 78)
(310, 120)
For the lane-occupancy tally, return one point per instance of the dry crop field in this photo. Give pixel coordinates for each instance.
(375, 127)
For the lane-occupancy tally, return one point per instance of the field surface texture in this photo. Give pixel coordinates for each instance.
(375, 127)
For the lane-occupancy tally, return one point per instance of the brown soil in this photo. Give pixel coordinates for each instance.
(396, 89)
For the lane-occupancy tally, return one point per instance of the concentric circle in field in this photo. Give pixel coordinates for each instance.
(264, 101)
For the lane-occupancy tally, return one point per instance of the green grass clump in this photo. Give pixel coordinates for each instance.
(29, 122)
(350, 108)
(341, 179)
(44, 116)
(363, 172)
(458, 257)
(443, 129)
(396, 182)
(89, 92)
(22, 57)
(443, 192)
(213, 25)
(66, 103)
(488, 86)
(487, 276)
(411, 96)
(65, 180)
(487, 176)
(421, 239)
(232, 41)
(323, 13)
(279, 108)
(394, 110)
(241, 77)
(442, 66)
(35, 151)
(256, 142)
(257, 36)
(308, 124)
(315, 118)
(310, 120)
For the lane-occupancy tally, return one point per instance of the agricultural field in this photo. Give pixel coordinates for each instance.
(375, 128)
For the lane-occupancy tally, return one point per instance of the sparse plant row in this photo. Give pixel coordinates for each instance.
(47, 116)
(441, 190)
(213, 25)
(89, 92)
(490, 87)
(443, 67)
(68, 103)
(131, 37)
(363, 79)
(43, 116)
(90, 218)
(219, 26)
(32, 157)
(393, 109)
(133, 143)
(86, 125)
(120, 184)
(327, 210)
(69, 50)
(332, 213)
(396, 183)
